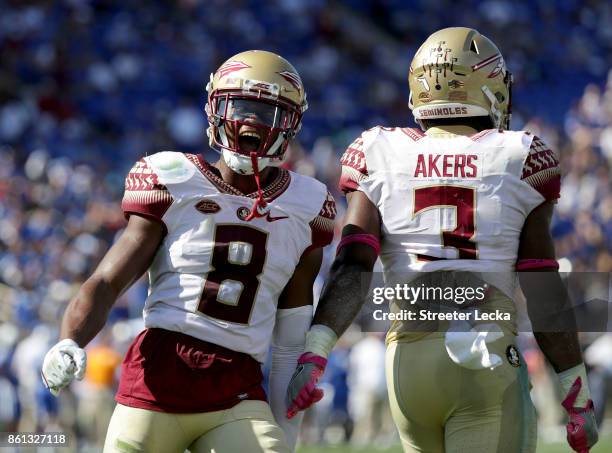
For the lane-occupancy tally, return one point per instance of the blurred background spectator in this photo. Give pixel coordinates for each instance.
(88, 87)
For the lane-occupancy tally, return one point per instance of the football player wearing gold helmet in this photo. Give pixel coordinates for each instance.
(463, 194)
(232, 249)
(255, 105)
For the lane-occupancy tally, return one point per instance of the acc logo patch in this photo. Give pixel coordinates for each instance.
(243, 212)
(207, 206)
(513, 356)
(425, 97)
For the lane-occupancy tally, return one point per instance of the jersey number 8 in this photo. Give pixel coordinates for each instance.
(237, 262)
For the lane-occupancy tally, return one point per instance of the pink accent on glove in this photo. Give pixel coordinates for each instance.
(577, 434)
(308, 394)
(309, 357)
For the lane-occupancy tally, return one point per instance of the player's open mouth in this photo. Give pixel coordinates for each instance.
(249, 141)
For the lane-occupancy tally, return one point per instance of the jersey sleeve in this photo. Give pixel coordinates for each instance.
(143, 194)
(322, 226)
(354, 168)
(541, 170)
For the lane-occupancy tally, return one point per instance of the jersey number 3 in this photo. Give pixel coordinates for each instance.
(463, 200)
(237, 262)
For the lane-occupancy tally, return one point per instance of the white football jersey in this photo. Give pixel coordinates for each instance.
(216, 276)
(451, 202)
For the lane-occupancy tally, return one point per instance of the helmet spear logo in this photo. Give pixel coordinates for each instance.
(231, 66)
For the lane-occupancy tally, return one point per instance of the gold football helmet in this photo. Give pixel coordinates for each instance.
(457, 72)
(255, 104)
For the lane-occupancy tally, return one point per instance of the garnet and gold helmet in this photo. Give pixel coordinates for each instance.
(255, 104)
(456, 73)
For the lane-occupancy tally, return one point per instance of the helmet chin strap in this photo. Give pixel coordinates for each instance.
(235, 162)
(242, 164)
(239, 163)
(260, 207)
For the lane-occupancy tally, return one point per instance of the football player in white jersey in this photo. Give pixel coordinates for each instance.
(464, 194)
(232, 250)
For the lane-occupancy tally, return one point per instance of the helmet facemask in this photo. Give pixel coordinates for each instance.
(256, 100)
(244, 122)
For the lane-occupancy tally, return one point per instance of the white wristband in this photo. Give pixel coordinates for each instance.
(320, 340)
(567, 379)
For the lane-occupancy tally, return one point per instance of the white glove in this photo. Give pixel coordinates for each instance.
(467, 346)
(64, 362)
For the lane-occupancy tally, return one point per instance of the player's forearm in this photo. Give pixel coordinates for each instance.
(343, 296)
(86, 314)
(552, 317)
(344, 292)
(561, 349)
(287, 345)
(284, 361)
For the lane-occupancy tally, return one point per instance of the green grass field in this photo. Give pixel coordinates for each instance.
(603, 446)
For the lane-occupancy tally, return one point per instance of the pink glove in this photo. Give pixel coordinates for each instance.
(581, 428)
(302, 391)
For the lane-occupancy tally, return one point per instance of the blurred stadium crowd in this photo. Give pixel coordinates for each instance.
(87, 87)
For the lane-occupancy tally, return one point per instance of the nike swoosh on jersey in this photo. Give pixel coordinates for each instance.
(269, 218)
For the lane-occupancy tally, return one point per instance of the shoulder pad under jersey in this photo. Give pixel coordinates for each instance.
(171, 167)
